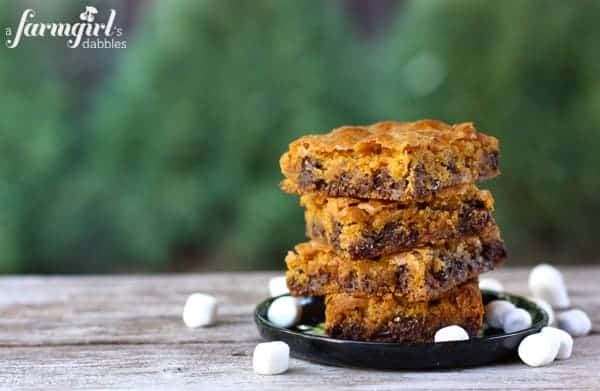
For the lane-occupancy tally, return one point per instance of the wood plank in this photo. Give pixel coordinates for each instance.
(229, 367)
(124, 309)
(147, 309)
(126, 332)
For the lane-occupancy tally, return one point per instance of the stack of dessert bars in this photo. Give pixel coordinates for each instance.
(398, 230)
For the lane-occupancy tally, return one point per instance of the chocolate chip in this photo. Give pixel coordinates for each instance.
(310, 163)
(306, 177)
(316, 284)
(335, 234)
(420, 179)
(473, 217)
(451, 165)
(494, 251)
(384, 185)
(493, 159)
(488, 164)
(345, 331)
(349, 184)
(393, 237)
(402, 279)
(402, 328)
(349, 282)
(363, 249)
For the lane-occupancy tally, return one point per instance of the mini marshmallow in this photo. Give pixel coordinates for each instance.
(495, 312)
(575, 322)
(538, 349)
(546, 282)
(543, 304)
(516, 319)
(200, 310)
(451, 333)
(271, 358)
(491, 284)
(564, 339)
(278, 286)
(285, 311)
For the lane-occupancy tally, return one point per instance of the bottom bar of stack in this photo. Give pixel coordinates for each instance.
(387, 319)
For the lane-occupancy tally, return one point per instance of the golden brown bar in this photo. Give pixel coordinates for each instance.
(400, 161)
(386, 319)
(421, 274)
(374, 228)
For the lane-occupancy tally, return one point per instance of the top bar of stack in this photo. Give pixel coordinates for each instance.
(399, 232)
(399, 161)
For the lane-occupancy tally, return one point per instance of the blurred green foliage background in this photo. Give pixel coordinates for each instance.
(164, 155)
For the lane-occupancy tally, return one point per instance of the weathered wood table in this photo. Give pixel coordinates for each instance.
(126, 332)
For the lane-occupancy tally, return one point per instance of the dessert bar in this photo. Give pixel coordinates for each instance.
(421, 274)
(398, 161)
(386, 319)
(373, 228)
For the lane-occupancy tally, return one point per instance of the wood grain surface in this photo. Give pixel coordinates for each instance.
(126, 332)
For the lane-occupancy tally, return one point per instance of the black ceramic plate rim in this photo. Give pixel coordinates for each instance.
(477, 339)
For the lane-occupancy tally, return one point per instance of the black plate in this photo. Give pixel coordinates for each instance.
(492, 346)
